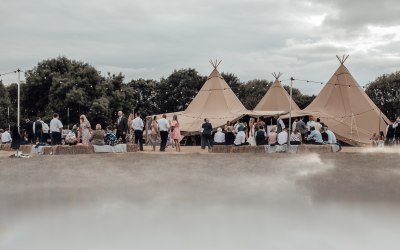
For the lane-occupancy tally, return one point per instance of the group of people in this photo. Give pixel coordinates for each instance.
(255, 133)
(392, 135)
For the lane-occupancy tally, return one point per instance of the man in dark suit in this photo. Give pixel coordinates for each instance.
(122, 126)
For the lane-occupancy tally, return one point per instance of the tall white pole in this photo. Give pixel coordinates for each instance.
(19, 93)
(8, 114)
(290, 110)
(68, 117)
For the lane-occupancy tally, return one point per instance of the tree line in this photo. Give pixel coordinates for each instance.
(67, 86)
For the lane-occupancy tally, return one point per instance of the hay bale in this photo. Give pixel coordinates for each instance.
(259, 149)
(221, 149)
(62, 150)
(48, 150)
(26, 149)
(82, 149)
(132, 147)
(7, 147)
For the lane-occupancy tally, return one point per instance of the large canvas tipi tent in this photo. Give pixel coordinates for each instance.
(346, 109)
(215, 101)
(276, 98)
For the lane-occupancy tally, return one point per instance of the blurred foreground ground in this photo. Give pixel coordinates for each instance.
(198, 200)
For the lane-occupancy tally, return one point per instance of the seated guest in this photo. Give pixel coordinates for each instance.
(229, 136)
(98, 136)
(240, 138)
(314, 137)
(283, 137)
(219, 137)
(324, 135)
(295, 137)
(70, 139)
(261, 136)
(331, 136)
(111, 139)
(6, 137)
(272, 136)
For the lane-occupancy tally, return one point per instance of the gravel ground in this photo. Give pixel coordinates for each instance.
(197, 200)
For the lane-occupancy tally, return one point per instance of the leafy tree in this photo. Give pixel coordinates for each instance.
(143, 97)
(385, 93)
(253, 91)
(5, 103)
(175, 92)
(55, 85)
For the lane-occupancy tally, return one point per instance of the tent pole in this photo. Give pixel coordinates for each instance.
(290, 110)
(19, 94)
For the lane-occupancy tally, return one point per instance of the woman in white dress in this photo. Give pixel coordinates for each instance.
(251, 139)
(84, 130)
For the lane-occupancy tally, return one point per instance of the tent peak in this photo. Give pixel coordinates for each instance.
(277, 75)
(216, 63)
(343, 59)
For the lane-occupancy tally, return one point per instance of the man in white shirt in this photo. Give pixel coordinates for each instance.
(283, 137)
(219, 137)
(163, 127)
(55, 130)
(310, 123)
(280, 125)
(6, 137)
(240, 138)
(137, 125)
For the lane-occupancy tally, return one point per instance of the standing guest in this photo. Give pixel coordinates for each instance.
(122, 127)
(37, 130)
(294, 124)
(1, 132)
(84, 130)
(45, 134)
(6, 137)
(302, 127)
(228, 125)
(260, 122)
(295, 137)
(283, 137)
(29, 130)
(111, 139)
(314, 137)
(55, 130)
(137, 125)
(71, 138)
(279, 124)
(396, 126)
(261, 136)
(229, 136)
(318, 124)
(272, 137)
(310, 123)
(131, 133)
(16, 139)
(251, 138)
(163, 127)
(206, 134)
(176, 132)
(154, 132)
(219, 137)
(98, 136)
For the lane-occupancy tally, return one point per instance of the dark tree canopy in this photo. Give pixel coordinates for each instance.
(385, 93)
(253, 91)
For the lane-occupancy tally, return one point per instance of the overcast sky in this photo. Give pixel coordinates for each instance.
(149, 39)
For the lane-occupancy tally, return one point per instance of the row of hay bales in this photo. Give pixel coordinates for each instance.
(262, 149)
(63, 149)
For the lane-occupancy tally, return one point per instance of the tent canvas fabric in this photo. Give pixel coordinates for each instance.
(276, 98)
(347, 109)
